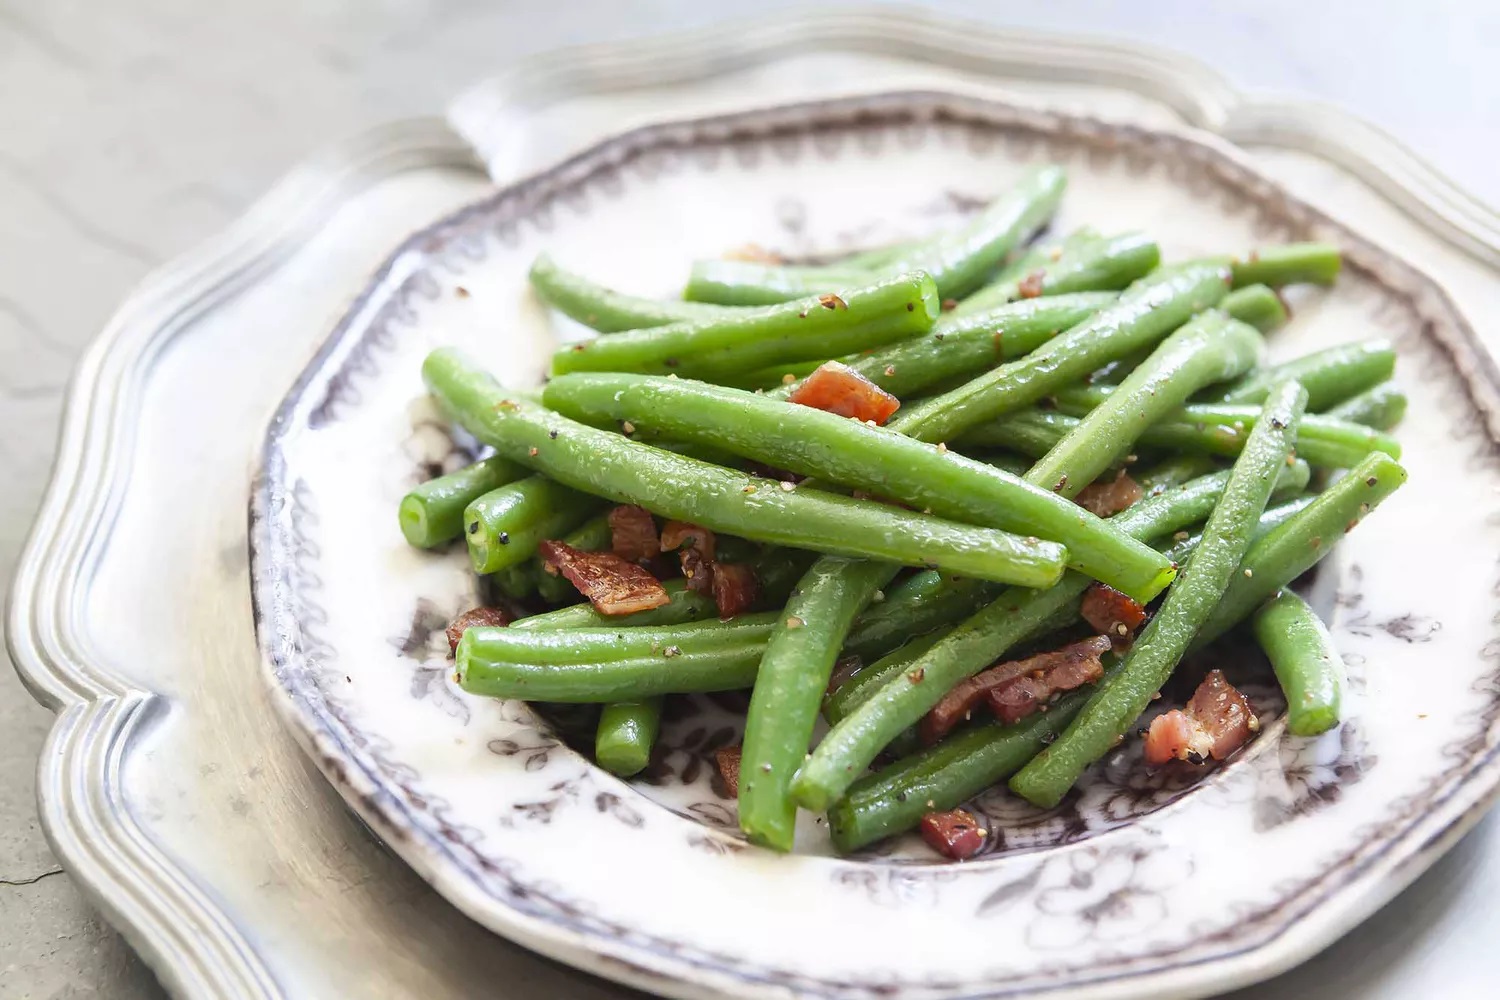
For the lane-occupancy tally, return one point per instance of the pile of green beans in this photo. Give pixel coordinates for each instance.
(1025, 378)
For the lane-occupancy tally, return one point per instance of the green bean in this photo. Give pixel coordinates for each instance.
(1210, 348)
(774, 378)
(873, 676)
(813, 442)
(1381, 408)
(1121, 699)
(1307, 664)
(793, 674)
(605, 309)
(944, 776)
(959, 261)
(876, 258)
(1097, 265)
(612, 664)
(685, 489)
(1147, 312)
(926, 601)
(1329, 376)
(1257, 305)
(753, 283)
(515, 581)
(627, 730)
(1217, 429)
(433, 513)
(802, 330)
(962, 346)
(1288, 264)
(870, 724)
(1016, 465)
(1292, 549)
(1174, 471)
(504, 526)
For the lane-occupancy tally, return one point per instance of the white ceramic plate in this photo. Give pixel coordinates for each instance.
(1137, 886)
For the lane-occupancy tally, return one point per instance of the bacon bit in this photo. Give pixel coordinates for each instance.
(956, 834)
(612, 585)
(832, 301)
(837, 388)
(695, 552)
(1030, 286)
(754, 253)
(949, 305)
(735, 588)
(965, 696)
(1111, 612)
(728, 759)
(1108, 498)
(632, 533)
(483, 617)
(1217, 722)
(1072, 666)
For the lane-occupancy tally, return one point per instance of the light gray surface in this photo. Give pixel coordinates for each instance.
(134, 129)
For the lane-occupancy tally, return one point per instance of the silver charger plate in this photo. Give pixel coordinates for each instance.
(167, 789)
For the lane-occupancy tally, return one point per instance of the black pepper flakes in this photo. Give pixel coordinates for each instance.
(504, 538)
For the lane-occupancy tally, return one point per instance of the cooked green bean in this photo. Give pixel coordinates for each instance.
(793, 673)
(1213, 429)
(802, 330)
(605, 309)
(1306, 662)
(433, 513)
(1288, 264)
(958, 261)
(926, 601)
(877, 716)
(807, 440)
(1257, 305)
(753, 283)
(1329, 376)
(1208, 349)
(1381, 408)
(720, 499)
(515, 581)
(1096, 265)
(1173, 471)
(627, 730)
(1293, 548)
(612, 665)
(944, 776)
(1149, 310)
(962, 346)
(504, 527)
(876, 258)
(1121, 699)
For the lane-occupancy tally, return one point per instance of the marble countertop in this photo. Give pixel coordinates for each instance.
(134, 129)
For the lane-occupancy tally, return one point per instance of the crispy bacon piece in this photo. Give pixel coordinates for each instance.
(474, 616)
(1067, 668)
(612, 585)
(728, 759)
(965, 696)
(1217, 722)
(735, 588)
(1111, 612)
(955, 834)
(695, 551)
(1031, 286)
(632, 533)
(1107, 497)
(839, 389)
